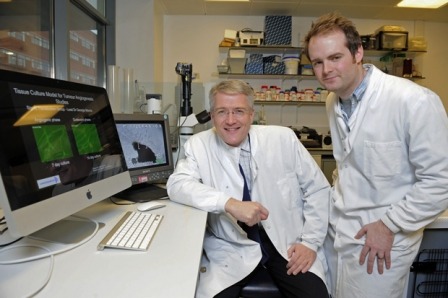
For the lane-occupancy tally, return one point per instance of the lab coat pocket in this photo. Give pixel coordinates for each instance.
(382, 160)
(288, 190)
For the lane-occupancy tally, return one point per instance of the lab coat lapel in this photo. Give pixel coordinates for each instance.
(253, 151)
(349, 132)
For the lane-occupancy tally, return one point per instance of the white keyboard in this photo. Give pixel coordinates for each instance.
(134, 231)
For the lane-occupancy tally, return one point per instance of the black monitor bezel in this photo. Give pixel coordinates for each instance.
(148, 170)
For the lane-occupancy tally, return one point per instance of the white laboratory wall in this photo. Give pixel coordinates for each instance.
(195, 40)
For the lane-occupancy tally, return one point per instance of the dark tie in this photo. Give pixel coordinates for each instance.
(252, 232)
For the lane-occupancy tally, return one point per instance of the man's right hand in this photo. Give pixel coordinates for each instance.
(251, 213)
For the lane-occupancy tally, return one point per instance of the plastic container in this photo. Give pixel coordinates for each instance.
(237, 65)
(291, 65)
(237, 53)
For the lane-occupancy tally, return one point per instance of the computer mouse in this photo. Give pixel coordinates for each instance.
(147, 206)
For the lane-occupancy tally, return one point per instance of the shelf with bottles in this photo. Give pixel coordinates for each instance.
(401, 64)
(282, 77)
(285, 50)
(289, 103)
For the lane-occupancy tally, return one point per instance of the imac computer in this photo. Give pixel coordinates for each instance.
(59, 153)
(145, 139)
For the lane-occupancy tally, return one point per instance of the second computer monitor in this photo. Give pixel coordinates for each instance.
(145, 139)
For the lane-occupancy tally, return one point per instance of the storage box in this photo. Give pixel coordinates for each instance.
(274, 68)
(254, 68)
(417, 43)
(272, 58)
(236, 65)
(256, 58)
(277, 30)
(230, 34)
(251, 38)
(392, 40)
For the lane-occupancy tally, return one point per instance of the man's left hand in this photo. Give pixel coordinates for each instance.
(378, 246)
(301, 258)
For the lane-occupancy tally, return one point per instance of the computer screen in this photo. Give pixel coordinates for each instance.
(145, 139)
(59, 150)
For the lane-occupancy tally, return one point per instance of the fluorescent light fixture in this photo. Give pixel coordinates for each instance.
(422, 3)
(229, 0)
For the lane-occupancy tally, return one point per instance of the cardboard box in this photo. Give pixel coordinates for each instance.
(277, 30)
(230, 34)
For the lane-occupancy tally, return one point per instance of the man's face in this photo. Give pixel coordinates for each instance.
(334, 66)
(232, 117)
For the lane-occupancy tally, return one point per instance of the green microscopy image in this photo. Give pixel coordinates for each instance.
(52, 142)
(87, 139)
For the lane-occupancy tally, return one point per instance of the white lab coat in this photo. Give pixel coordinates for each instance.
(286, 180)
(392, 166)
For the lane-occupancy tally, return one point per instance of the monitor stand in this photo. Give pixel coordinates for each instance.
(143, 192)
(70, 230)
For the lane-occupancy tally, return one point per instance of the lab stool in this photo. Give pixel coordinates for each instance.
(261, 285)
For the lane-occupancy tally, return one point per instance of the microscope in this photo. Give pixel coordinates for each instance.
(187, 119)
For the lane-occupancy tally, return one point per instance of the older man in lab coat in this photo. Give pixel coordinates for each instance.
(289, 200)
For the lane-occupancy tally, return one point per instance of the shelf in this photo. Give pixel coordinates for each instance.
(290, 103)
(266, 76)
(264, 49)
(295, 50)
(381, 53)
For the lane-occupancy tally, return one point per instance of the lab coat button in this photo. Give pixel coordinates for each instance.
(203, 269)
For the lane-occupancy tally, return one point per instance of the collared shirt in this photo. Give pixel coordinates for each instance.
(349, 105)
(245, 162)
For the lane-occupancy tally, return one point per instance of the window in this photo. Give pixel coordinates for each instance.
(86, 42)
(25, 43)
(64, 39)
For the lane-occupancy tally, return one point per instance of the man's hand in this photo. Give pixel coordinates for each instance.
(251, 213)
(378, 245)
(301, 258)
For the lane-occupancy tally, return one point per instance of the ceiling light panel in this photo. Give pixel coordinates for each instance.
(422, 3)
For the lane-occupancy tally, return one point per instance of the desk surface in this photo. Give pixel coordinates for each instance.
(168, 269)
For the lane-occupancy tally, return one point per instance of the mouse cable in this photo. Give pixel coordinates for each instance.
(50, 270)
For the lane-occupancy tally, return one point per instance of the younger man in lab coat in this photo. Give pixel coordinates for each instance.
(288, 203)
(389, 137)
